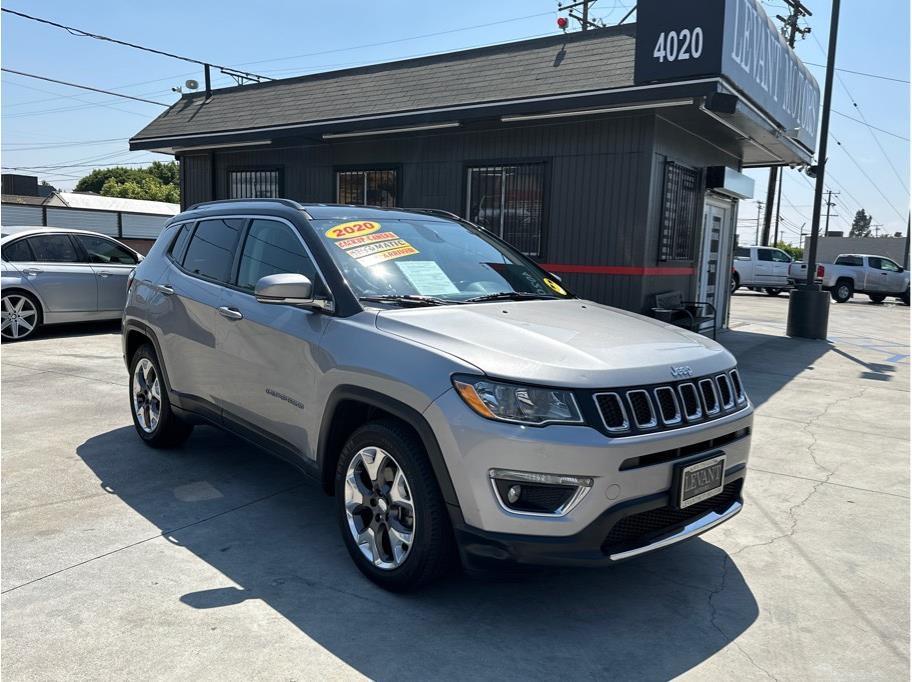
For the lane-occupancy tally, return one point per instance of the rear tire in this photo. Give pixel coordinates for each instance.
(877, 298)
(390, 510)
(905, 298)
(770, 291)
(22, 315)
(843, 291)
(735, 282)
(153, 418)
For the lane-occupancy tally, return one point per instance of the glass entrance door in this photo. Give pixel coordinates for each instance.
(712, 282)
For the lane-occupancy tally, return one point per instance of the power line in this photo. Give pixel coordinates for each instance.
(863, 73)
(82, 87)
(227, 70)
(858, 120)
(868, 177)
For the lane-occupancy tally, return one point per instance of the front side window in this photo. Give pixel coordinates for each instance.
(447, 260)
(105, 251)
(211, 250)
(680, 206)
(510, 202)
(888, 265)
(765, 255)
(53, 248)
(780, 256)
(367, 187)
(254, 184)
(17, 252)
(271, 248)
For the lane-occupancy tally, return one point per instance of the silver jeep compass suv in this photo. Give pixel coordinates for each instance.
(452, 395)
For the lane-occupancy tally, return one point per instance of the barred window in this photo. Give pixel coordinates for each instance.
(510, 202)
(680, 207)
(254, 184)
(367, 187)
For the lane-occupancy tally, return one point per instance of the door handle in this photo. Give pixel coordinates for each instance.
(104, 274)
(32, 271)
(230, 313)
(165, 289)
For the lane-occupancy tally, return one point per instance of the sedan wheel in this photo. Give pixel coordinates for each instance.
(19, 317)
(379, 508)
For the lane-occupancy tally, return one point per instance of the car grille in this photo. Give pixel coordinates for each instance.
(662, 407)
(640, 529)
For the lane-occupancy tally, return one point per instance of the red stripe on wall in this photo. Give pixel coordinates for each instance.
(615, 270)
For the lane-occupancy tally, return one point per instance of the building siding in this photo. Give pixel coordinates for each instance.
(603, 185)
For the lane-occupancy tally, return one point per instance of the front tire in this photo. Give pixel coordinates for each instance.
(21, 316)
(772, 291)
(843, 291)
(877, 298)
(153, 418)
(905, 298)
(391, 514)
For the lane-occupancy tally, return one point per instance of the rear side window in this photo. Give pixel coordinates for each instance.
(105, 251)
(742, 252)
(179, 245)
(17, 252)
(855, 261)
(53, 248)
(271, 248)
(211, 250)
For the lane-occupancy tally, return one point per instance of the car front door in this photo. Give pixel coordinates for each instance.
(65, 285)
(271, 353)
(781, 262)
(894, 281)
(112, 264)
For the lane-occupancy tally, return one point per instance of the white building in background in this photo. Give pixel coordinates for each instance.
(135, 221)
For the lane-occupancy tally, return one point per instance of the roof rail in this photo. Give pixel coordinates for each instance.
(218, 202)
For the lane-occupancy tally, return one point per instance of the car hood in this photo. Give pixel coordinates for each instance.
(559, 343)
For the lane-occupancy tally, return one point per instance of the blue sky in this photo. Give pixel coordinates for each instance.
(41, 121)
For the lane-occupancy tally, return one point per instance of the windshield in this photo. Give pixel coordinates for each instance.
(435, 260)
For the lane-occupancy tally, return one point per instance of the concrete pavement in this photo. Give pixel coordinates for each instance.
(217, 562)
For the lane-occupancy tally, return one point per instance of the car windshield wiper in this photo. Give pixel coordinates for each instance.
(510, 296)
(406, 299)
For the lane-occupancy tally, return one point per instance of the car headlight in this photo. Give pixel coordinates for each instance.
(531, 405)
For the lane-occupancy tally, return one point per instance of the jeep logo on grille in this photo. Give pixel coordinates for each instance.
(681, 371)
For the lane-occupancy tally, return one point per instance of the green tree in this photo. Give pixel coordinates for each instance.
(861, 225)
(795, 252)
(159, 181)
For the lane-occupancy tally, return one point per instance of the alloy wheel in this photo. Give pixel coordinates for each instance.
(379, 508)
(146, 395)
(19, 317)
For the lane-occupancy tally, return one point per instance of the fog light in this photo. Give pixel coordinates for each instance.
(526, 492)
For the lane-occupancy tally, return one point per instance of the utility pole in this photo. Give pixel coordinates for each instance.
(877, 227)
(757, 233)
(583, 19)
(908, 235)
(778, 208)
(790, 30)
(809, 305)
(829, 204)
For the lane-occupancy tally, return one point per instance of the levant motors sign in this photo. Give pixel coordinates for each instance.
(735, 39)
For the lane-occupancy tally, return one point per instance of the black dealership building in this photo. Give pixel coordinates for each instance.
(613, 156)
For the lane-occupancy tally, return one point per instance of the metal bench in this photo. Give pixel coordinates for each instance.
(671, 307)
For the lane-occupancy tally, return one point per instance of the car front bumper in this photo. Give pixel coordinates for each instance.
(591, 532)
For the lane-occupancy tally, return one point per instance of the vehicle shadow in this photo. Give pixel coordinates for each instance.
(74, 329)
(272, 533)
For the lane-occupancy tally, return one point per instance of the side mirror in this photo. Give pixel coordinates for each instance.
(288, 288)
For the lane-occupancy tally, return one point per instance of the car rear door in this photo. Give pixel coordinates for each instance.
(763, 267)
(185, 309)
(64, 284)
(271, 353)
(112, 264)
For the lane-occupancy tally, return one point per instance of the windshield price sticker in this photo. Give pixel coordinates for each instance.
(366, 239)
(360, 252)
(427, 277)
(384, 256)
(352, 229)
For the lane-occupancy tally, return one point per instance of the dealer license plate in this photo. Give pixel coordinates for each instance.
(701, 480)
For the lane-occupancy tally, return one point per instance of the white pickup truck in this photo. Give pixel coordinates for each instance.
(854, 273)
(761, 267)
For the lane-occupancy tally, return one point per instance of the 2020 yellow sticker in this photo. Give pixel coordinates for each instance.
(352, 229)
(554, 286)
